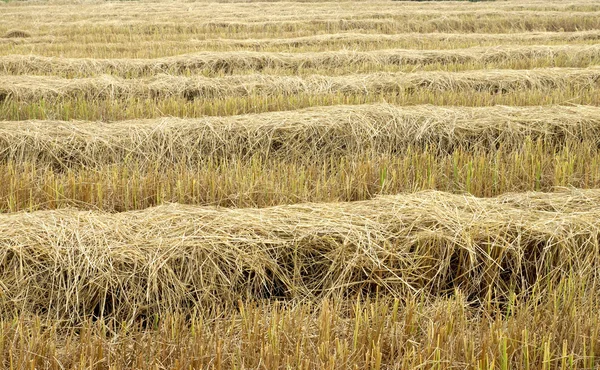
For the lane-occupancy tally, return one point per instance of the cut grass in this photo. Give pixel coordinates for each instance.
(109, 98)
(339, 153)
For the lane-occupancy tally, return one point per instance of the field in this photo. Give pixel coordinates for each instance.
(299, 185)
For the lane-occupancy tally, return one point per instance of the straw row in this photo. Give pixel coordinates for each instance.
(147, 46)
(313, 133)
(231, 62)
(424, 21)
(69, 264)
(350, 38)
(31, 88)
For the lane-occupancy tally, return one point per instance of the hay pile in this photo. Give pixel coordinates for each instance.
(69, 264)
(314, 133)
(32, 88)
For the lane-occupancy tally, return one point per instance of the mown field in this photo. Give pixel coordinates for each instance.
(300, 185)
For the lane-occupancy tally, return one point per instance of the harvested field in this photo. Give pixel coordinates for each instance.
(148, 31)
(299, 185)
(78, 108)
(283, 19)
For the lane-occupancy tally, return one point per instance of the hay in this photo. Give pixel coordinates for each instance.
(230, 62)
(32, 88)
(309, 134)
(69, 264)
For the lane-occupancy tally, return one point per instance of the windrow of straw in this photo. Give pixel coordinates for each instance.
(309, 134)
(32, 88)
(69, 264)
(415, 39)
(232, 62)
(147, 46)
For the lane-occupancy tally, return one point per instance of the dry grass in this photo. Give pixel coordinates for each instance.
(72, 265)
(339, 153)
(340, 62)
(311, 134)
(425, 21)
(163, 12)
